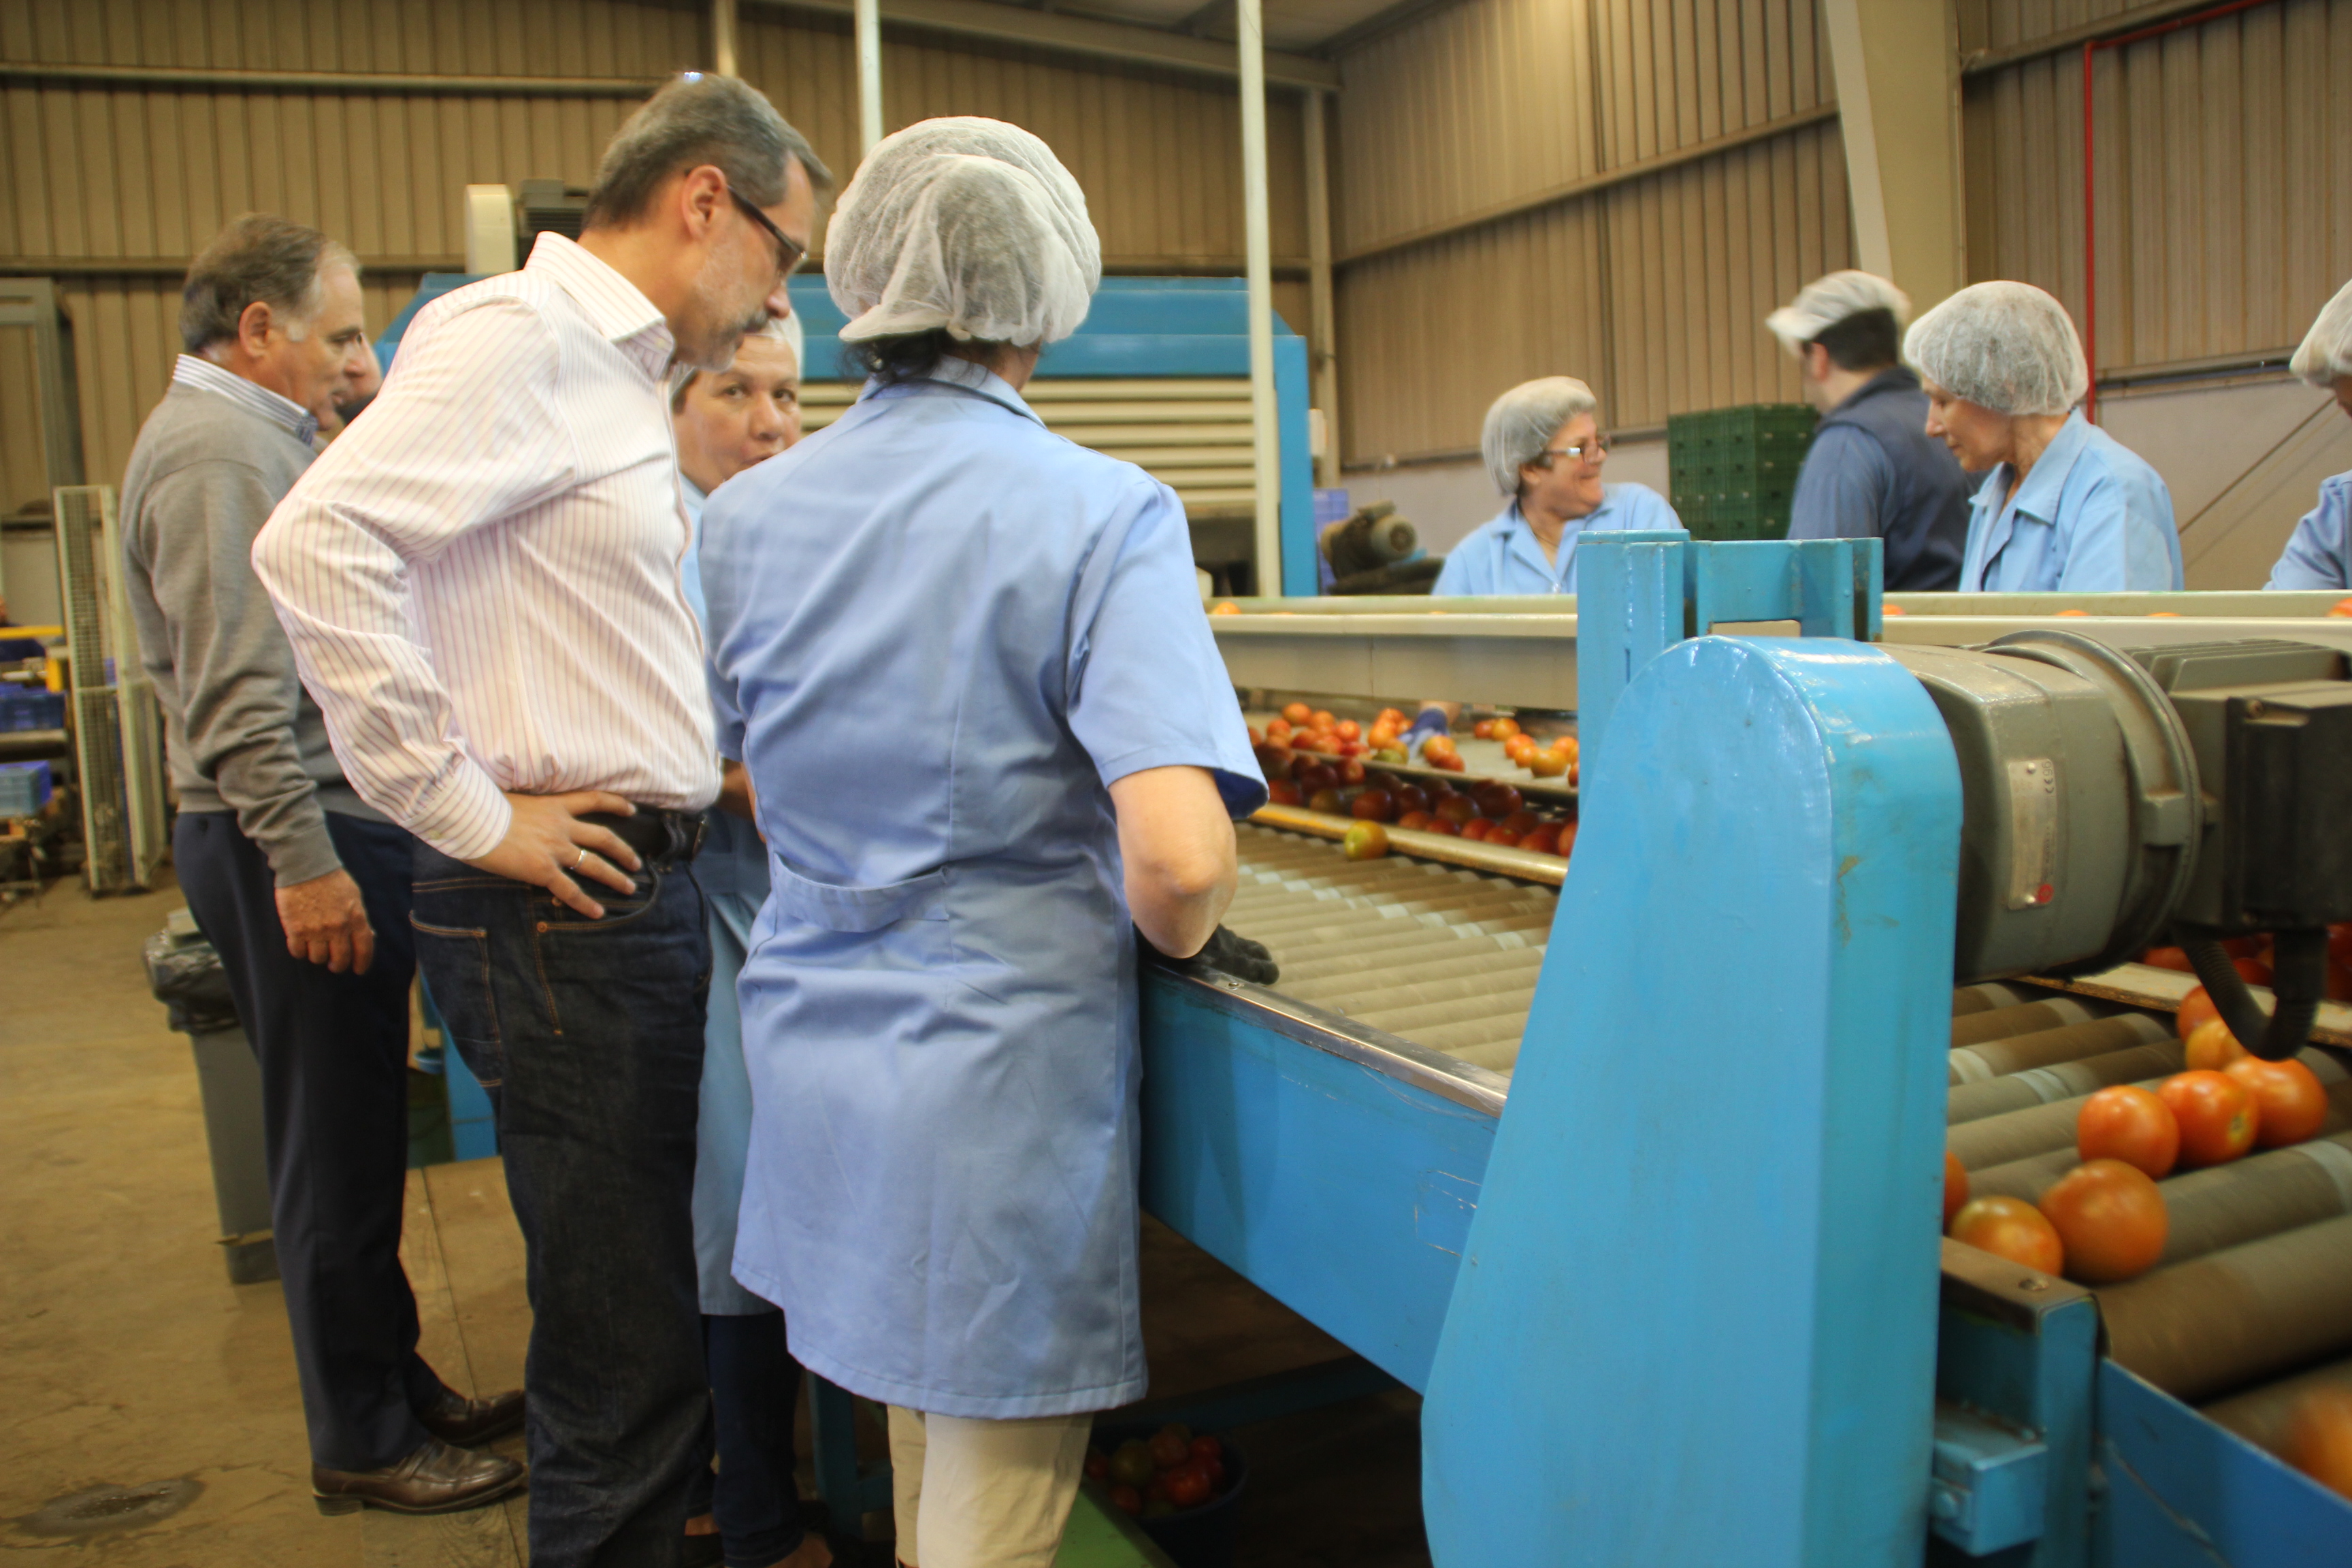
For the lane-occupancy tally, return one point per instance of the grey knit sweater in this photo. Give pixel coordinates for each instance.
(242, 733)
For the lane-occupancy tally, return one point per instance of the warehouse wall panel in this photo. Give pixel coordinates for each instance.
(102, 175)
(2223, 178)
(1481, 104)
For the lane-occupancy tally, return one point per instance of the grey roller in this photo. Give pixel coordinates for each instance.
(2067, 1082)
(1408, 1020)
(2027, 1017)
(2028, 1178)
(1499, 1056)
(1985, 997)
(1357, 963)
(2046, 1048)
(1471, 972)
(2220, 1322)
(2263, 1194)
(2042, 1129)
(2261, 1415)
(1477, 1032)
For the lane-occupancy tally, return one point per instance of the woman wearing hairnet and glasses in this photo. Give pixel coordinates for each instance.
(985, 727)
(1544, 449)
(2066, 505)
(2319, 555)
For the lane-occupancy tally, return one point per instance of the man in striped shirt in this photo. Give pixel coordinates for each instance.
(480, 581)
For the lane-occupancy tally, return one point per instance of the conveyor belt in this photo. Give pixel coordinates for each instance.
(2255, 1289)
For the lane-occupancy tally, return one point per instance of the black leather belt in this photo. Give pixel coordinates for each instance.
(659, 834)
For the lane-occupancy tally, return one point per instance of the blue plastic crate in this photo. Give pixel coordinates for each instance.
(24, 788)
(21, 709)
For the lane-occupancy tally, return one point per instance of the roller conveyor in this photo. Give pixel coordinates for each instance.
(2256, 1282)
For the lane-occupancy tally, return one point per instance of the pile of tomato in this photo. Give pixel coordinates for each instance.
(2105, 1220)
(1153, 1478)
(1488, 812)
(2250, 956)
(1556, 760)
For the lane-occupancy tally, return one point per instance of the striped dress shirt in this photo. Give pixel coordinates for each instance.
(481, 579)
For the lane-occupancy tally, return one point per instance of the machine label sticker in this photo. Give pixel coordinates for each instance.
(2032, 831)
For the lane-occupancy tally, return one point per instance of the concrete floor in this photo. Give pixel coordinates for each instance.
(127, 1360)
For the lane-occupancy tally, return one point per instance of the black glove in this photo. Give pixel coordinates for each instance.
(1235, 956)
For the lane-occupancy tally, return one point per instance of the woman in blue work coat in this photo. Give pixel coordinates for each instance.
(2319, 555)
(985, 726)
(2065, 506)
(1544, 449)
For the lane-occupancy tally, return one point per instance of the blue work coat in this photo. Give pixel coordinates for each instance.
(732, 871)
(947, 631)
(1501, 556)
(2091, 515)
(2319, 555)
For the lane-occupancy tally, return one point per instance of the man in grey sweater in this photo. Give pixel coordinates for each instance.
(302, 887)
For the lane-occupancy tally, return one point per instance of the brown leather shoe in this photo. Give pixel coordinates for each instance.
(436, 1479)
(470, 1423)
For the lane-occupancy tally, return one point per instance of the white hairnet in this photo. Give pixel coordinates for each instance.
(967, 223)
(2008, 347)
(1825, 301)
(1521, 422)
(2326, 351)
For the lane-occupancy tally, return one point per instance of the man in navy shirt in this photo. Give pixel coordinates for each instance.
(1873, 472)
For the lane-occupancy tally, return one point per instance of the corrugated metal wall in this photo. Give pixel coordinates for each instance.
(100, 175)
(1653, 289)
(2224, 174)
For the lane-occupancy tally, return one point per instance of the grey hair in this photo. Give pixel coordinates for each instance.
(1522, 422)
(257, 258)
(786, 329)
(697, 118)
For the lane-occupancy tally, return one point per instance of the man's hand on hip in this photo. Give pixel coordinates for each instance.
(326, 923)
(548, 846)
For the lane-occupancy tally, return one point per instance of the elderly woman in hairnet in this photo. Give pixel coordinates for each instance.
(2066, 506)
(2319, 555)
(1544, 449)
(985, 728)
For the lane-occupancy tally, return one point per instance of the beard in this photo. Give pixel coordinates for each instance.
(721, 318)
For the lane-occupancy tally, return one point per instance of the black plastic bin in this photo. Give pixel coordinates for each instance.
(1203, 1537)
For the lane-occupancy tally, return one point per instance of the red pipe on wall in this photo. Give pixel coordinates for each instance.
(2090, 212)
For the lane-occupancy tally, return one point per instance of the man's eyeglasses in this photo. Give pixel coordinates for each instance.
(1590, 452)
(789, 254)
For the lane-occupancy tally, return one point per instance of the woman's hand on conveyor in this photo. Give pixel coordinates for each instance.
(1234, 954)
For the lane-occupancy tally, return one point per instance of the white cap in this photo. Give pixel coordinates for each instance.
(2009, 347)
(1825, 301)
(2326, 351)
(966, 224)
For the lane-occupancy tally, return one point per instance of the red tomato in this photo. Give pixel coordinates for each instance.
(1506, 728)
(2168, 958)
(2195, 1008)
(1436, 746)
(1456, 809)
(1497, 800)
(1410, 797)
(1502, 838)
(1224, 608)
(1476, 829)
(1373, 806)
(2211, 1048)
(1298, 714)
(2339, 944)
(2319, 1430)
(1275, 762)
(1257, 739)
(1392, 716)
(1543, 840)
(2341, 607)
(1366, 841)
(1350, 730)
(1171, 1445)
(2111, 1220)
(2339, 983)
(1547, 765)
(1380, 737)
(1352, 748)
(1522, 822)
(1277, 729)
(1351, 770)
(2126, 1122)
(1567, 836)
(1520, 748)
(1444, 828)
(1098, 1465)
(1127, 1499)
(1484, 729)
(2010, 1229)
(1314, 776)
(1324, 800)
(1282, 791)
(1415, 821)
(2254, 971)
(1451, 762)
(2289, 1104)
(1321, 718)
(1956, 1187)
(2219, 1119)
(1188, 1486)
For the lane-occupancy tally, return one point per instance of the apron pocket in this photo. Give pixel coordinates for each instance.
(836, 907)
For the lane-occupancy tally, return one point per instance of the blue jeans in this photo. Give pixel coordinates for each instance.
(755, 1391)
(588, 1035)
